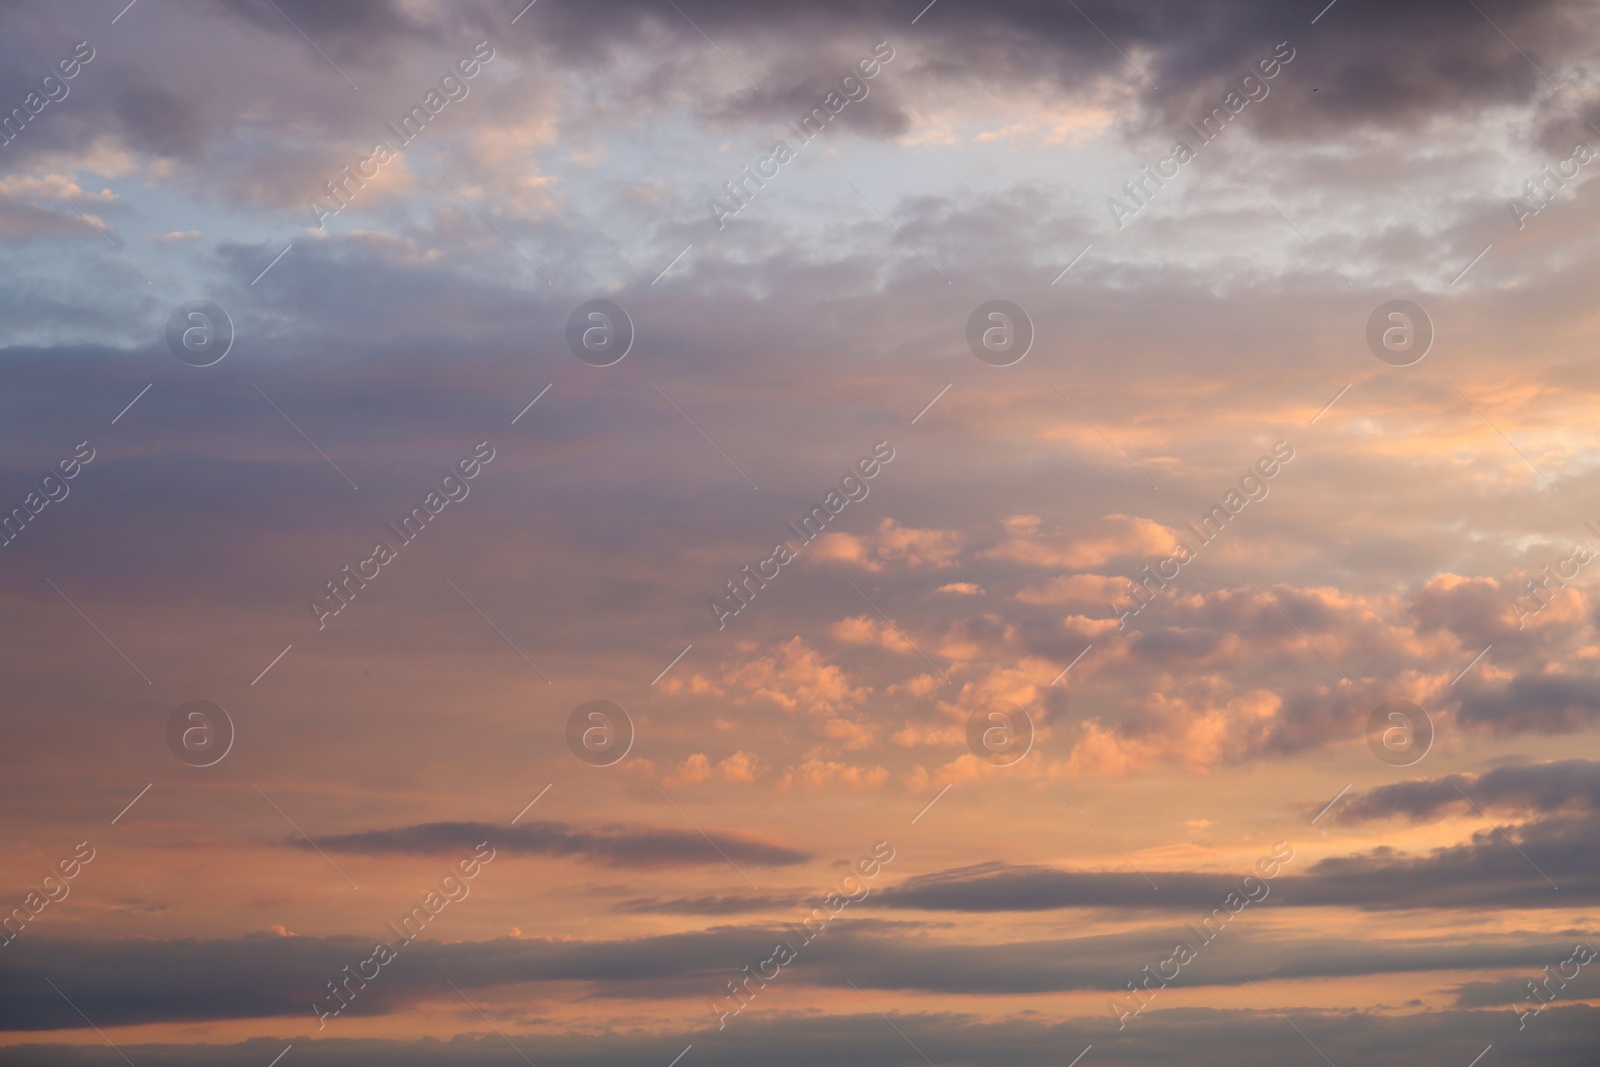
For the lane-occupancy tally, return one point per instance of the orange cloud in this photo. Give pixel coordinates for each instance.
(818, 774)
(890, 543)
(1112, 537)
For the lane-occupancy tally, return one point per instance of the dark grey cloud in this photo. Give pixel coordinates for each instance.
(1509, 866)
(1514, 991)
(1371, 63)
(1563, 1037)
(1492, 870)
(1477, 611)
(368, 23)
(1542, 787)
(123, 982)
(1529, 703)
(616, 846)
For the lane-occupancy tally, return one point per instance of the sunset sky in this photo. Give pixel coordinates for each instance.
(680, 533)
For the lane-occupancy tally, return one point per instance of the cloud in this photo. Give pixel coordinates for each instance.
(1528, 703)
(1491, 870)
(960, 589)
(868, 630)
(1084, 593)
(821, 774)
(796, 677)
(707, 905)
(1196, 1037)
(614, 846)
(891, 544)
(744, 767)
(1540, 787)
(816, 322)
(124, 982)
(1113, 537)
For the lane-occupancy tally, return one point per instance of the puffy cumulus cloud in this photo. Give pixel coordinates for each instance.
(847, 733)
(1080, 593)
(1024, 684)
(1020, 681)
(692, 771)
(1224, 676)
(918, 734)
(921, 685)
(1184, 731)
(742, 767)
(869, 631)
(1534, 787)
(695, 684)
(1026, 541)
(796, 677)
(973, 637)
(960, 589)
(828, 774)
(1238, 677)
(964, 768)
(1478, 610)
(890, 544)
